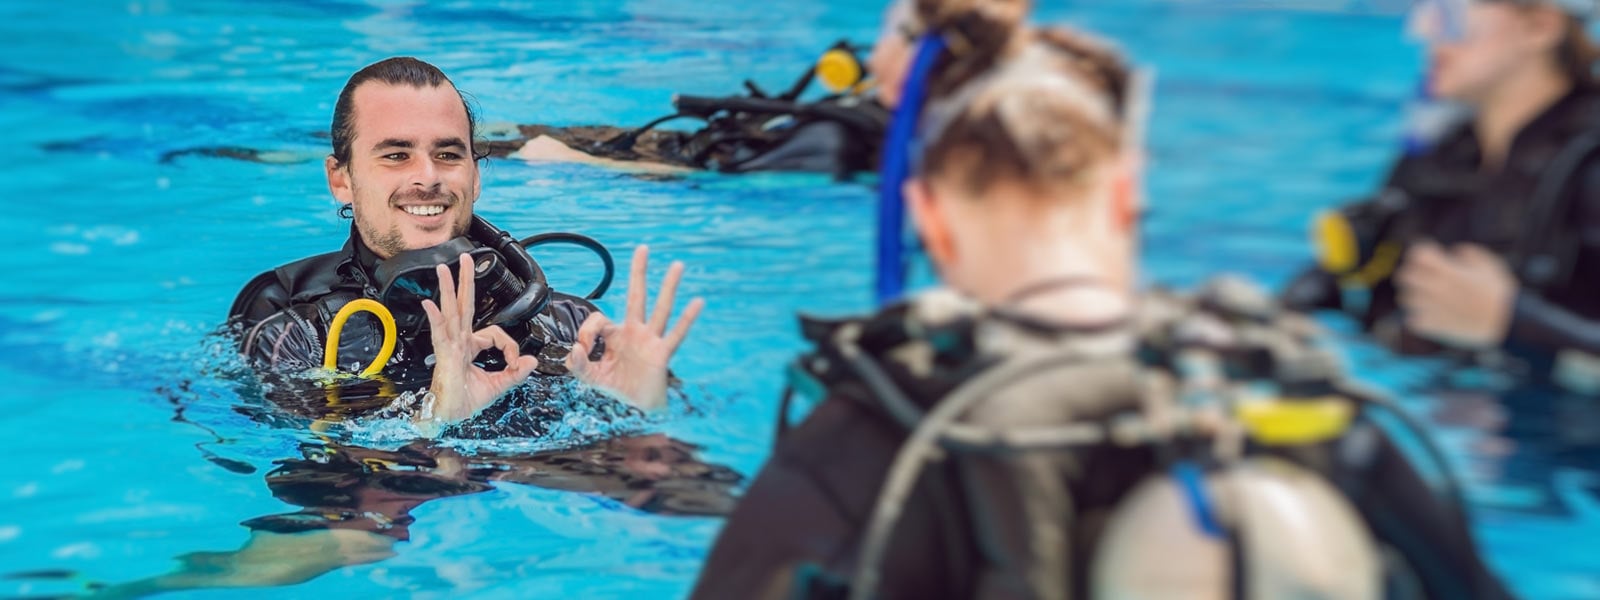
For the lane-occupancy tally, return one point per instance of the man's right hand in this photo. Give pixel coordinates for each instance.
(461, 388)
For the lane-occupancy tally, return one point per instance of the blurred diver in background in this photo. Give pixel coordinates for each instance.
(1485, 240)
(838, 134)
(1039, 429)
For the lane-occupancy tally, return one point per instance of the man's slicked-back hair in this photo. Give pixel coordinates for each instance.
(399, 70)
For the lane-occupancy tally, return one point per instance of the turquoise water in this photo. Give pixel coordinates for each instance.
(124, 262)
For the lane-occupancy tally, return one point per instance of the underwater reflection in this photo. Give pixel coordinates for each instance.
(356, 503)
(1526, 444)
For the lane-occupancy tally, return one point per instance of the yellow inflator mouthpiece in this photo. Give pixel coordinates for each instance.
(330, 352)
(839, 70)
(1295, 422)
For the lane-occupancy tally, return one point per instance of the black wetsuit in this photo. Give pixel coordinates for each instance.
(282, 317)
(796, 532)
(995, 526)
(1450, 200)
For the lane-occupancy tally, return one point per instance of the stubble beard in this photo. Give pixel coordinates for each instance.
(391, 242)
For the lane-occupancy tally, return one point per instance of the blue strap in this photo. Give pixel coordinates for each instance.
(1192, 481)
(895, 168)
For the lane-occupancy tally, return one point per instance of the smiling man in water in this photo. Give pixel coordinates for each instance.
(403, 162)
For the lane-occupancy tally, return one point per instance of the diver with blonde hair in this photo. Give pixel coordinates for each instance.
(1037, 427)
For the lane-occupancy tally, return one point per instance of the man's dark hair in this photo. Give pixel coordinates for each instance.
(399, 70)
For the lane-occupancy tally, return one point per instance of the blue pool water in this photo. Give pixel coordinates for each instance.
(123, 262)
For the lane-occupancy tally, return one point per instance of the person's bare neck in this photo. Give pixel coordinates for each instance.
(1511, 106)
(1058, 278)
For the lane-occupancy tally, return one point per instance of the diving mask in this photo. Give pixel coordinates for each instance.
(1448, 21)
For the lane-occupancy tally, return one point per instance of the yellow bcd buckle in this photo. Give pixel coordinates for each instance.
(1295, 422)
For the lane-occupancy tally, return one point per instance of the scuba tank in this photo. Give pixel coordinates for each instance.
(1288, 534)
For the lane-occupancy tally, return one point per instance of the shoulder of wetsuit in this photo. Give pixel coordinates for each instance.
(568, 312)
(580, 302)
(831, 366)
(1579, 112)
(1586, 120)
(1561, 210)
(297, 282)
(1447, 172)
(1587, 188)
(1553, 253)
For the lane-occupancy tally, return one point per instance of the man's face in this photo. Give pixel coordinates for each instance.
(411, 178)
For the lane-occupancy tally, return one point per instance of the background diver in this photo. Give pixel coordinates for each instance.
(1081, 432)
(1485, 238)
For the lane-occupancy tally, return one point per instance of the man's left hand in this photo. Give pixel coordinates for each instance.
(634, 365)
(1462, 297)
